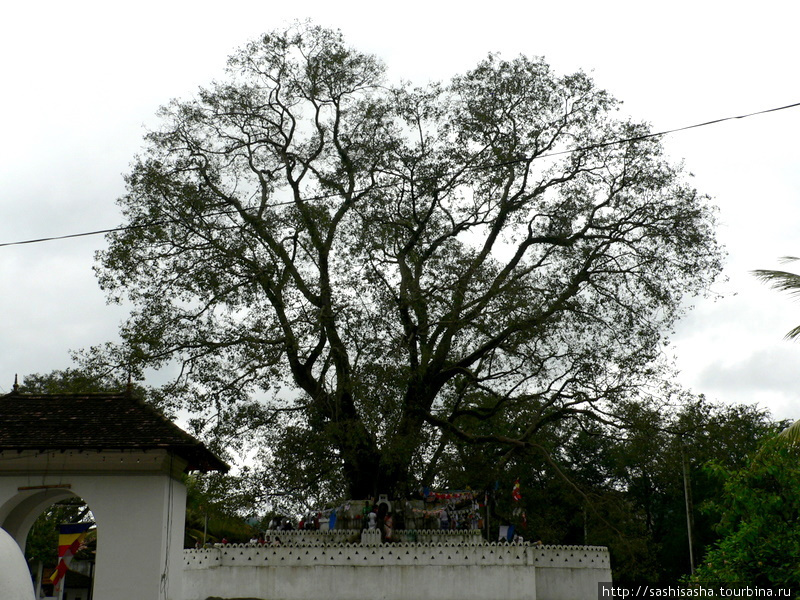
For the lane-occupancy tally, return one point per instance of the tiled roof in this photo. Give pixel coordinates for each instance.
(95, 422)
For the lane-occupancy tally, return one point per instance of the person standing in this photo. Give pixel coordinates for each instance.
(388, 524)
(444, 519)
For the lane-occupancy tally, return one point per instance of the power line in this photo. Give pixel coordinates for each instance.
(678, 129)
(69, 235)
(504, 163)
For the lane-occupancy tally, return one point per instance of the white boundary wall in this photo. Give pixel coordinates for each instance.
(456, 571)
(570, 572)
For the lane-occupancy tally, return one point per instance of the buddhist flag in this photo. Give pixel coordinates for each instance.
(69, 541)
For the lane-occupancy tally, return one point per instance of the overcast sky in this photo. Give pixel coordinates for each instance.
(82, 81)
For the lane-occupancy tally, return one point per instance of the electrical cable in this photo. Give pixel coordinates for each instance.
(495, 165)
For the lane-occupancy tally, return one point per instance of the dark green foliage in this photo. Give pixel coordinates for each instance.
(87, 380)
(759, 520)
(216, 507)
(70, 381)
(621, 486)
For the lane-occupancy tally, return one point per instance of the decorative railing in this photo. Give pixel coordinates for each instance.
(315, 553)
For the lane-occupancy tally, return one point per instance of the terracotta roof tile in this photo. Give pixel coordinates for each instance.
(96, 422)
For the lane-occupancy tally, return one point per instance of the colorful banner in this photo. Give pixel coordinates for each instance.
(449, 495)
(70, 538)
(515, 493)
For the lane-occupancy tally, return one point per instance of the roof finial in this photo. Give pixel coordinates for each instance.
(129, 387)
(16, 383)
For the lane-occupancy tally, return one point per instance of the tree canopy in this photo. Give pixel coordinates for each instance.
(72, 381)
(759, 513)
(365, 275)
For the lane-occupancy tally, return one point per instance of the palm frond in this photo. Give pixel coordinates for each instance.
(780, 280)
(783, 281)
(791, 433)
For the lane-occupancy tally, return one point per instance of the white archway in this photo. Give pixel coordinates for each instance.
(125, 460)
(140, 516)
(68, 510)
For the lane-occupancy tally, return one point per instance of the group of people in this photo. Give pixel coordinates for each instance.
(259, 540)
(309, 522)
(265, 541)
(463, 518)
(380, 515)
(281, 524)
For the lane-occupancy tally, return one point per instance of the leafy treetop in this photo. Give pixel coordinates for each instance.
(368, 274)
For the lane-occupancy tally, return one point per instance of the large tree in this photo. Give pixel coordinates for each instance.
(376, 272)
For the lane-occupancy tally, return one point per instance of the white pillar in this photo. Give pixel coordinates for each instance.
(140, 524)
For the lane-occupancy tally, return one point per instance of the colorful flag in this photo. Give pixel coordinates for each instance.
(515, 494)
(69, 542)
(510, 533)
